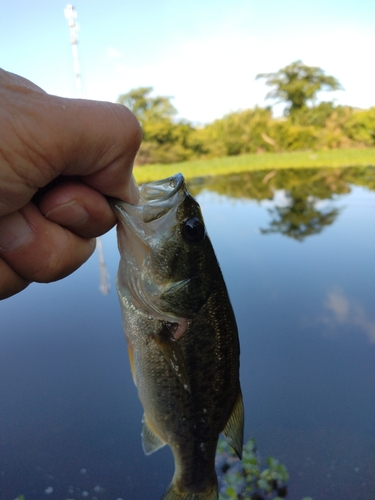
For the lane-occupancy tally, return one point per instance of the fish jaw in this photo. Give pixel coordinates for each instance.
(139, 225)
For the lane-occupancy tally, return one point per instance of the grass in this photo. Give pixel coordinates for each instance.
(265, 161)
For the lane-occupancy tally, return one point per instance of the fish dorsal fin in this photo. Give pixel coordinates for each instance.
(150, 441)
(173, 354)
(233, 430)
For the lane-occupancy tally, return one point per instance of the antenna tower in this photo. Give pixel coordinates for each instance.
(71, 14)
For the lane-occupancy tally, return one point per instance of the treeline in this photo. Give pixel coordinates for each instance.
(324, 126)
(306, 125)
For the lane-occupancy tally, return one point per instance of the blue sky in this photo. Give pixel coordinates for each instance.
(204, 53)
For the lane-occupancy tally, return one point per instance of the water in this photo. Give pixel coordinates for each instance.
(297, 252)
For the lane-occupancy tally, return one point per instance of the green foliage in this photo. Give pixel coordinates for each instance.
(164, 140)
(238, 133)
(298, 84)
(291, 137)
(315, 116)
(245, 479)
(146, 107)
(306, 126)
(360, 127)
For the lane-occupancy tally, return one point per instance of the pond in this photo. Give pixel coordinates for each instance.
(297, 252)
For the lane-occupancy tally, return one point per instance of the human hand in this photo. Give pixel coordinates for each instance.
(59, 159)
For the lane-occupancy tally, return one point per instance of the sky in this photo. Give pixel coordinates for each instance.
(205, 54)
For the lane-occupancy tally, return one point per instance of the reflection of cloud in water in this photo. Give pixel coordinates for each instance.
(345, 311)
(280, 199)
(339, 305)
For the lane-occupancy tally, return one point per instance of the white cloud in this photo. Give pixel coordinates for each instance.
(207, 78)
(344, 311)
(212, 76)
(113, 53)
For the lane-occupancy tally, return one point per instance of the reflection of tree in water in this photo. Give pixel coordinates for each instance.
(302, 215)
(244, 185)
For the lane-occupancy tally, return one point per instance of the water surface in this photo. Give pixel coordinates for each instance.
(297, 252)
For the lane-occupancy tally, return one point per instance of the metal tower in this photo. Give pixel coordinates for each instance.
(71, 14)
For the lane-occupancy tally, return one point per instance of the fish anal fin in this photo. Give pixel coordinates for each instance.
(173, 354)
(150, 441)
(233, 430)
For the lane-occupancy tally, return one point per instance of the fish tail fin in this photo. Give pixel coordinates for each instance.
(174, 493)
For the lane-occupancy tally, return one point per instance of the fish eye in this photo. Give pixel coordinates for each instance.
(193, 230)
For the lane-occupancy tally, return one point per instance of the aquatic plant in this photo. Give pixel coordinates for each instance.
(245, 479)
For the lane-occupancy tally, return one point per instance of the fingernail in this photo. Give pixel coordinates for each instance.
(71, 214)
(15, 231)
(132, 194)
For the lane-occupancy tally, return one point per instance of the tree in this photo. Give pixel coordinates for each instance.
(238, 132)
(165, 139)
(146, 107)
(298, 84)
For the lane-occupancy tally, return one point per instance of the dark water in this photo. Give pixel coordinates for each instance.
(297, 251)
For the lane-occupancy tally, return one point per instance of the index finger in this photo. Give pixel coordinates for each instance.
(45, 136)
(104, 141)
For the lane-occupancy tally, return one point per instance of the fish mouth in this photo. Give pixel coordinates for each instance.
(161, 191)
(156, 199)
(159, 197)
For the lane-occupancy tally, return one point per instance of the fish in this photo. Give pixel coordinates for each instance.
(181, 334)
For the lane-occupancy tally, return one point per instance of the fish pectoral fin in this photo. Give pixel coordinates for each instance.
(150, 441)
(176, 286)
(233, 430)
(173, 354)
(131, 361)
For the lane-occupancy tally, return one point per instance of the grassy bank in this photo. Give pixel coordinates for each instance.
(235, 164)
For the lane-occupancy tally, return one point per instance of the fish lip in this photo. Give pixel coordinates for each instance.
(152, 193)
(162, 190)
(156, 200)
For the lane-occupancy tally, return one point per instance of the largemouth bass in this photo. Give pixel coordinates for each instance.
(181, 334)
